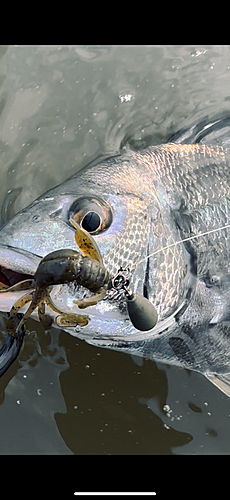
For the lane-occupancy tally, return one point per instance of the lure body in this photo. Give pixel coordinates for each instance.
(60, 267)
(64, 266)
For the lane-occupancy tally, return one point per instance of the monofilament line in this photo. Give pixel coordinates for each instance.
(182, 241)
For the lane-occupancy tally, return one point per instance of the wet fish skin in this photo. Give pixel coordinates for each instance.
(196, 180)
(135, 203)
(156, 196)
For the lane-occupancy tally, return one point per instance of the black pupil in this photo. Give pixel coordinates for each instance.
(91, 222)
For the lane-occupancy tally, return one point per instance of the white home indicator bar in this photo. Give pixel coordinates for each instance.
(117, 493)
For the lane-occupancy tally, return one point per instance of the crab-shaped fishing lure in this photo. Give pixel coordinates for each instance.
(59, 267)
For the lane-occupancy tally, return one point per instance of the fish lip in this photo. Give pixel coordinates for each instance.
(16, 264)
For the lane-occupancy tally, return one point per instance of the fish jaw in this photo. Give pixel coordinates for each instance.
(15, 265)
(105, 316)
(108, 319)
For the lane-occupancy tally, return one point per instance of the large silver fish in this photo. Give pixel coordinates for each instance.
(135, 205)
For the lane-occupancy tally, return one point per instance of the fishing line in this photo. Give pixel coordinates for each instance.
(142, 312)
(178, 242)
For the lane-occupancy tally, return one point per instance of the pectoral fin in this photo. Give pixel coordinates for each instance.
(222, 381)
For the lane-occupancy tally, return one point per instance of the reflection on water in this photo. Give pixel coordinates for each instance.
(30, 396)
(106, 416)
(61, 107)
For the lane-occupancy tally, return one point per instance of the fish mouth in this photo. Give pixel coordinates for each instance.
(109, 321)
(9, 277)
(16, 265)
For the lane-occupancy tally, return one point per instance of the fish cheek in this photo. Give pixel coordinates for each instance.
(130, 244)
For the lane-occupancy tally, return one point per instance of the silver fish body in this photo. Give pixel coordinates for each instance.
(145, 201)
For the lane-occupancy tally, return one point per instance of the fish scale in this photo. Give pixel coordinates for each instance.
(198, 183)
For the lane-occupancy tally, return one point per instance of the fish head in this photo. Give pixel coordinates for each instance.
(122, 204)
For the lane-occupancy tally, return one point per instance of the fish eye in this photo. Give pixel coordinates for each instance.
(92, 214)
(91, 222)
